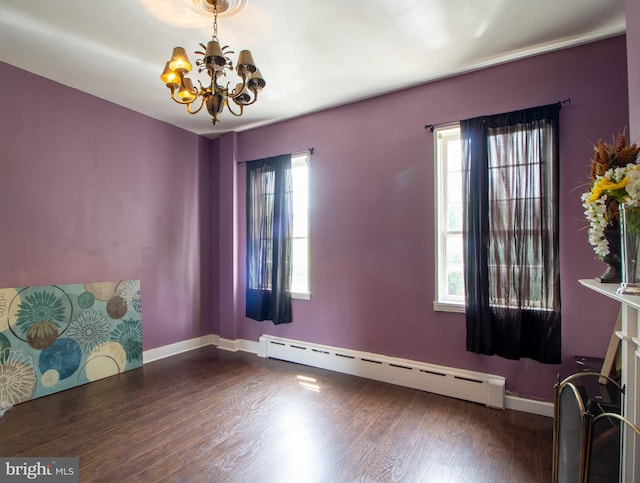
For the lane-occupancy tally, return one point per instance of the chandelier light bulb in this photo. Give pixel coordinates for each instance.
(179, 60)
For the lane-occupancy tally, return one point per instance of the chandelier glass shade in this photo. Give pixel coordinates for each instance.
(215, 61)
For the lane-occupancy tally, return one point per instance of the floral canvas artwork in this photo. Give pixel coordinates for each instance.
(56, 337)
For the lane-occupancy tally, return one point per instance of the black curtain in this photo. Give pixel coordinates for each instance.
(269, 246)
(510, 226)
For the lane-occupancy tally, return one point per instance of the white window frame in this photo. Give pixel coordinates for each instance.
(299, 160)
(443, 302)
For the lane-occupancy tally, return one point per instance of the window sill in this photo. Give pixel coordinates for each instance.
(448, 307)
(300, 296)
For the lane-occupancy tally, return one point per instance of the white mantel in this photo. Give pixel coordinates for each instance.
(630, 352)
(609, 289)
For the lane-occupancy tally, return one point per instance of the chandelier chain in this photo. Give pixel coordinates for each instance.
(215, 20)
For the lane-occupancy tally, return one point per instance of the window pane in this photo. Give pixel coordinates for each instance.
(454, 186)
(449, 215)
(454, 250)
(300, 173)
(300, 276)
(510, 281)
(300, 269)
(455, 283)
(454, 267)
(454, 217)
(454, 156)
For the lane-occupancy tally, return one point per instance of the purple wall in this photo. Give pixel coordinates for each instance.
(633, 65)
(227, 248)
(91, 191)
(372, 214)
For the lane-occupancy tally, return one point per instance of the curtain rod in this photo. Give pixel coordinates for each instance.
(432, 126)
(311, 150)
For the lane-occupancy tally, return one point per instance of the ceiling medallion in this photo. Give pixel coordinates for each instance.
(225, 8)
(214, 60)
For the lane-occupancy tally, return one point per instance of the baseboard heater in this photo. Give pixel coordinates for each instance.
(472, 386)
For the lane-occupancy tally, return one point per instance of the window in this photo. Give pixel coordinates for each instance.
(449, 242)
(517, 241)
(519, 215)
(299, 287)
(300, 273)
(277, 236)
(269, 231)
(449, 248)
(510, 234)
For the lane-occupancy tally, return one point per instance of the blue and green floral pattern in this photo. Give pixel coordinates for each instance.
(55, 337)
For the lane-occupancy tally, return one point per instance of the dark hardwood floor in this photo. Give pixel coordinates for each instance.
(214, 416)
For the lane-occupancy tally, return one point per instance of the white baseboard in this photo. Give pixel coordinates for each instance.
(187, 345)
(239, 345)
(531, 406)
(260, 349)
(174, 349)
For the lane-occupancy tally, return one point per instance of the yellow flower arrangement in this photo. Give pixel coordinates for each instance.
(615, 179)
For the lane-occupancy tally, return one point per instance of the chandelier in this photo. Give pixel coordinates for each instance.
(215, 61)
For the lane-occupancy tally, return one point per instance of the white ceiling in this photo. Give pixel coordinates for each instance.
(313, 54)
